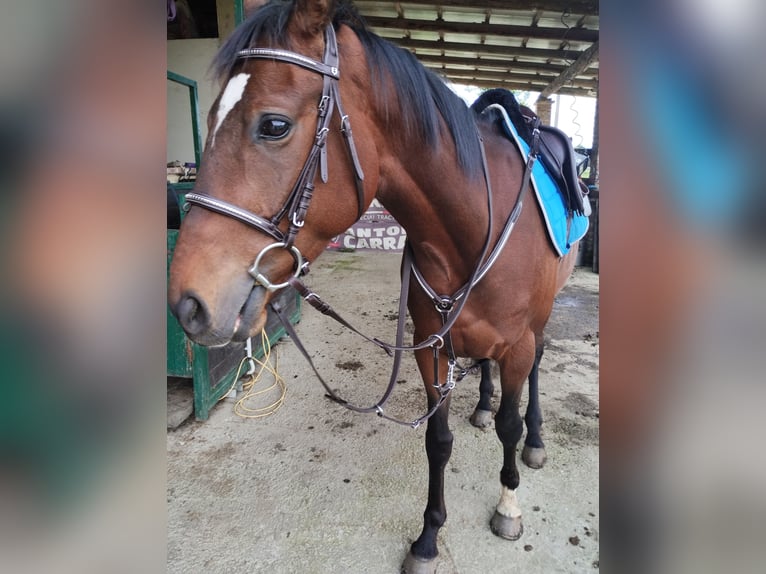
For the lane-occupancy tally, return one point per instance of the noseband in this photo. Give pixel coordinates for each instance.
(297, 203)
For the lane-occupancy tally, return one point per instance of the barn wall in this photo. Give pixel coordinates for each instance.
(190, 58)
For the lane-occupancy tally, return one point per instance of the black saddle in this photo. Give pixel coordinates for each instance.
(555, 147)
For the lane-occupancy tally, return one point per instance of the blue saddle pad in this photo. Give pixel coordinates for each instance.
(564, 228)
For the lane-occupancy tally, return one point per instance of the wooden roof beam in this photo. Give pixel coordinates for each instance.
(540, 81)
(572, 34)
(574, 6)
(491, 63)
(484, 49)
(578, 66)
(518, 86)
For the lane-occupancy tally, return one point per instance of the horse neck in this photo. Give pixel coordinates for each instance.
(443, 211)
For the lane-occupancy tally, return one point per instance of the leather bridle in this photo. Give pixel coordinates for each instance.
(298, 201)
(296, 206)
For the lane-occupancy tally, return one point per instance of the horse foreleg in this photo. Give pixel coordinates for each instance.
(506, 521)
(482, 414)
(533, 453)
(422, 558)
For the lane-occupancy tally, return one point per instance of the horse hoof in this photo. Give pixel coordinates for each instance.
(506, 527)
(481, 419)
(533, 457)
(414, 565)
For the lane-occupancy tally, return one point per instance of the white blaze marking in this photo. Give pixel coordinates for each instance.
(509, 504)
(231, 95)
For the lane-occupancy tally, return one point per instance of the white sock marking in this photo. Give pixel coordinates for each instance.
(509, 504)
(231, 95)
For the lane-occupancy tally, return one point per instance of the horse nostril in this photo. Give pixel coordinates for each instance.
(193, 315)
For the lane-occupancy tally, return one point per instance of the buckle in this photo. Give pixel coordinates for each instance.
(312, 297)
(321, 137)
(345, 124)
(323, 105)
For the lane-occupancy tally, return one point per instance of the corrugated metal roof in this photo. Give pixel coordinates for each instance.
(548, 46)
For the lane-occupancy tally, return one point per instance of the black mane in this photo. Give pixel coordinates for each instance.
(423, 96)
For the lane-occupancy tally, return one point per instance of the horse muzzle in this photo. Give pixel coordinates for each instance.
(197, 320)
(236, 309)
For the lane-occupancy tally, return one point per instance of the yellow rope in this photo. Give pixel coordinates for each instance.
(243, 406)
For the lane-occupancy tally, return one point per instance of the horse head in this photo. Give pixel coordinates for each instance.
(278, 133)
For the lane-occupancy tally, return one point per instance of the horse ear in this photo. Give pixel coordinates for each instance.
(311, 17)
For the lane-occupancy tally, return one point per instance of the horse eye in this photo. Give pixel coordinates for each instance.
(273, 128)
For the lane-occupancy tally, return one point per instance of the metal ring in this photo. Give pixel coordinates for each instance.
(439, 340)
(262, 279)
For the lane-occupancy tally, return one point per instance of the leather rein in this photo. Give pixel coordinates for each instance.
(296, 206)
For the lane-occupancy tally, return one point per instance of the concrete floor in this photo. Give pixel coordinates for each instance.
(317, 489)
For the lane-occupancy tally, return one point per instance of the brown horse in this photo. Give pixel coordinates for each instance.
(428, 158)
